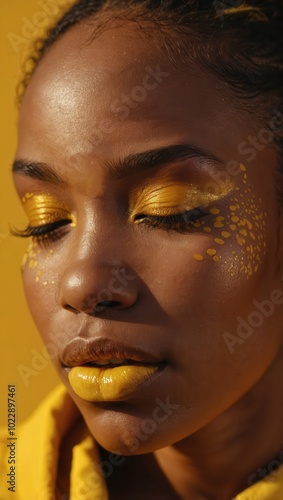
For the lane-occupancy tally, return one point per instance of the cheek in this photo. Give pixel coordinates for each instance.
(217, 352)
(238, 232)
(39, 280)
(215, 276)
(212, 276)
(36, 266)
(40, 283)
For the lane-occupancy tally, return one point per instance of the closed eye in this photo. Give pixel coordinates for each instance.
(44, 233)
(181, 222)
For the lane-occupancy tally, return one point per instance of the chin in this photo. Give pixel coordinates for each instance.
(129, 444)
(125, 433)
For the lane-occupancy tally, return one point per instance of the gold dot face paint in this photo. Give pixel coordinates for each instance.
(97, 384)
(30, 260)
(244, 223)
(211, 252)
(198, 256)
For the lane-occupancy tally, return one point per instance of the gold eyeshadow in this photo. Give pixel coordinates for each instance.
(44, 209)
(239, 222)
(169, 199)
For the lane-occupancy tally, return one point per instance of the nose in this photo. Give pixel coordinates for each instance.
(91, 285)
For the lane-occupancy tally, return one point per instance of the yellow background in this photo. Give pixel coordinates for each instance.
(21, 346)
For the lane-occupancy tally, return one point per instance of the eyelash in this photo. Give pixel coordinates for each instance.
(181, 222)
(46, 233)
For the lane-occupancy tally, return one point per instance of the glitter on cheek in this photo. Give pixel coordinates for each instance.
(225, 234)
(24, 260)
(240, 240)
(198, 256)
(38, 275)
(219, 241)
(30, 263)
(211, 251)
(29, 257)
(247, 221)
(218, 224)
(214, 210)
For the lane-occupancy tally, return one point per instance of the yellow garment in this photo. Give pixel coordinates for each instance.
(37, 454)
(56, 422)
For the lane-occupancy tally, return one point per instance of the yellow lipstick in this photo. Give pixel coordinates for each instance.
(97, 384)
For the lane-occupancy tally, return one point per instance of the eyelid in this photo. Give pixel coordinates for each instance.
(172, 198)
(44, 209)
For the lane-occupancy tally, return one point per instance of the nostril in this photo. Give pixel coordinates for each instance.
(71, 309)
(111, 303)
(101, 306)
(106, 303)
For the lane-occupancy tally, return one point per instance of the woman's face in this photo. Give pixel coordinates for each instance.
(161, 198)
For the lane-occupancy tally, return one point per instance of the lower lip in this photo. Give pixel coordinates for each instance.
(119, 383)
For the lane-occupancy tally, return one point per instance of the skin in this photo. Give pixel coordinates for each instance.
(177, 306)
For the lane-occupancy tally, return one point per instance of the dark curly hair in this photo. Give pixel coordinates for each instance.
(239, 41)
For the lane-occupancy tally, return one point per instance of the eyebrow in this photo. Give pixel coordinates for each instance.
(138, 162)
(37, 170)
(130, 165)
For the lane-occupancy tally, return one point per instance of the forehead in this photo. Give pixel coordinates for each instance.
(119, 90)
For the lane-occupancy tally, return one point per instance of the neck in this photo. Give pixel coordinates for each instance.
(222, 459)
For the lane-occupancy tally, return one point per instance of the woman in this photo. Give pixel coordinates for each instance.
(149, 167)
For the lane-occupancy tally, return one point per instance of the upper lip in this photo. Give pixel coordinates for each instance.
(80, 351)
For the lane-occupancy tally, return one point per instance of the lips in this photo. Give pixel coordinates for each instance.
(96, 384)
(105, 370)
(110, 362)
(104, 351)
